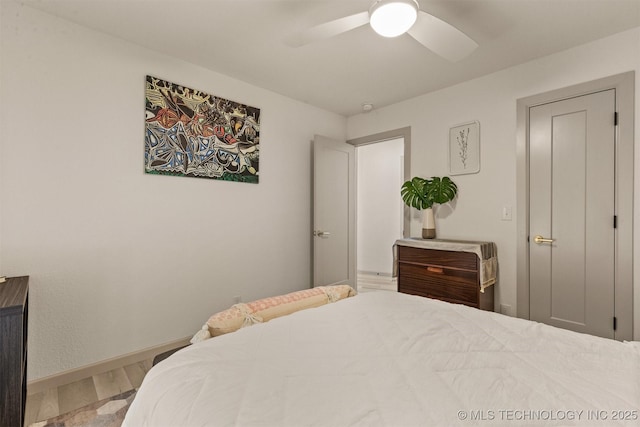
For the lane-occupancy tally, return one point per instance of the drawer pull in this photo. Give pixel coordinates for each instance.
(435, 270)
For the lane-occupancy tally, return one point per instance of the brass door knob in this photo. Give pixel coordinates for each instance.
(539, 239)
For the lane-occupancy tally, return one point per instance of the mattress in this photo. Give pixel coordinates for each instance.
(390, 359)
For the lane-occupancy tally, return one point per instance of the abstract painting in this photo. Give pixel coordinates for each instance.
(191, 133)
(464, 148)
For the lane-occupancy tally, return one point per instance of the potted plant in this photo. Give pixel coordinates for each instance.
(421, 193)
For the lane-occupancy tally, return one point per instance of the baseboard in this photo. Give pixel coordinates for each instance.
(374, 273)
(77, 374)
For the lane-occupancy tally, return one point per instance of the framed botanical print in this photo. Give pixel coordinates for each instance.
(464, 148)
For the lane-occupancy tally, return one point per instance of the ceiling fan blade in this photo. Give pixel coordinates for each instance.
(327, 30)
(441, 37)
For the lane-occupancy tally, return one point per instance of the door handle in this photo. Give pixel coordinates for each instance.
(321, 233)
(539, 239)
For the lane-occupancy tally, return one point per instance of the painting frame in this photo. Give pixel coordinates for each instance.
(192, 133)
(464, 148)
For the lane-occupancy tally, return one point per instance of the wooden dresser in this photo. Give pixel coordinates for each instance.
(14, 308)
(447, 275)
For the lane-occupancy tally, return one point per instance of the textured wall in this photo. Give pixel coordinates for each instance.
(120, 260)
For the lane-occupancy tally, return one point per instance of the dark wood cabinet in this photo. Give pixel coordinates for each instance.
(14, 310)
(452, 276)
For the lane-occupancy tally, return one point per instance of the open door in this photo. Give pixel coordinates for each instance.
(334, 212)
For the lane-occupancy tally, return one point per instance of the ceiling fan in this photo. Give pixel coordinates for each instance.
(391, 18)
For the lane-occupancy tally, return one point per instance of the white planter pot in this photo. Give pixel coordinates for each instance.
(428, 224)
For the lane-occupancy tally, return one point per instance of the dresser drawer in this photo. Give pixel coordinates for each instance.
(463, 260)
(441, 283)
(444, 274)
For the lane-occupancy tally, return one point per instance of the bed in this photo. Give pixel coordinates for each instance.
(390, 359)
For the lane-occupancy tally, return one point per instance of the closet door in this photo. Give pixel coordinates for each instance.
(572, 208)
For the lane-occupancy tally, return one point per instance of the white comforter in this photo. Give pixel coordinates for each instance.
(389, 359)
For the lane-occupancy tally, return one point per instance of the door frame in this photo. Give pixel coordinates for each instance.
(624, 84)
(404, 133)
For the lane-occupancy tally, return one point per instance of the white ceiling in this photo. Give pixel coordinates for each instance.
(244, 39)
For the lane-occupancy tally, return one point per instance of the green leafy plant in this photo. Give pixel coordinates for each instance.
(422, 193)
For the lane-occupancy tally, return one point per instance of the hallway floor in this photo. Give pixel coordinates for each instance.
(376, 282)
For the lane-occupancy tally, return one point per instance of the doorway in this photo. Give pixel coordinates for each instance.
(382, 166)
(379, 212)
(575, 180)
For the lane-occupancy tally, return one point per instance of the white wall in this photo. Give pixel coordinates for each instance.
(492, 101)
(379, 204)
(120, 260)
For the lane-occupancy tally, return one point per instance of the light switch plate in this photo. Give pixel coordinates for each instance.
(506, 213)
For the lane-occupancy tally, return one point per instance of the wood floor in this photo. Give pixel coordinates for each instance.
(56, 401)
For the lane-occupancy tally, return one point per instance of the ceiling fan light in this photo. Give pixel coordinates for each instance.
(391, 18)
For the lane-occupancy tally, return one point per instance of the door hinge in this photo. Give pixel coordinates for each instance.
(615, 323)
(615, 221)
(615, 118)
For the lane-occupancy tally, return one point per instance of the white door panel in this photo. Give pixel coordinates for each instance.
(572, 187)
(334, 202)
